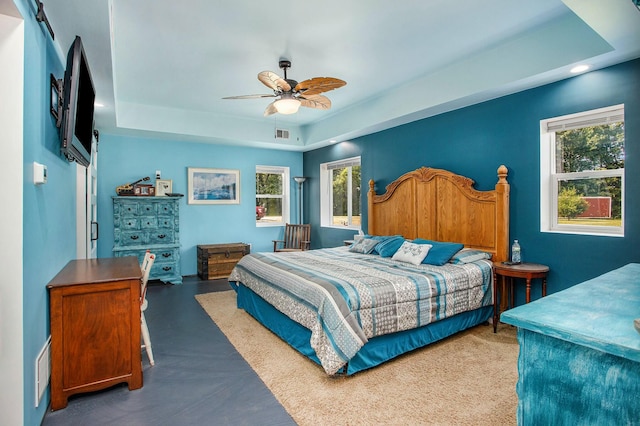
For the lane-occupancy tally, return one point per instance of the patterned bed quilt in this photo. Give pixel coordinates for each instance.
(346, 298)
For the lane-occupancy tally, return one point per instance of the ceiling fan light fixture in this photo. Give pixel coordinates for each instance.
(291, 95)
(287, 105)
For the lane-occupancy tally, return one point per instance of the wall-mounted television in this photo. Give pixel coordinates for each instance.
(76, 127)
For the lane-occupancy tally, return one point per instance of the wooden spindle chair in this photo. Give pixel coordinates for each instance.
(296, 238)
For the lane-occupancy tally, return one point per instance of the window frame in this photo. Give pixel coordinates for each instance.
(326, 192)
(550, 178)
(286, 194)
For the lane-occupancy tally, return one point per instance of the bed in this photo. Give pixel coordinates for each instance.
(420, 274)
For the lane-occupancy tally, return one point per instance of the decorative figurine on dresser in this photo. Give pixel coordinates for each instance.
(149, 223)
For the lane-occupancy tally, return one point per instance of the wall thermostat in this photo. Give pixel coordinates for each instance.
(39, 173)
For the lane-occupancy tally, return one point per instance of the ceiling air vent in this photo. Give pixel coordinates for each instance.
(282, 134)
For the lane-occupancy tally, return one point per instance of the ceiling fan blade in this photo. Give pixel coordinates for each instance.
(250, 96)
(271, 109)
(315, 101)
(274, 81)
(317, 85)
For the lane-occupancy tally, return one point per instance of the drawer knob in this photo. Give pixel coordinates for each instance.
(134, 237)
(162, 236)
(166, 254)
(166, 268)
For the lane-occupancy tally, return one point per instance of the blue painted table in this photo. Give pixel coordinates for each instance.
(579, 361)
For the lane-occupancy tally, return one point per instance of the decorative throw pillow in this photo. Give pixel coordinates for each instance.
(440, 252)
(469, 256)
(389, 246)
(411, 253)
(380, 238)
(364, 245)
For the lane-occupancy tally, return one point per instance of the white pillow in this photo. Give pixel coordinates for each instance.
(412, 253)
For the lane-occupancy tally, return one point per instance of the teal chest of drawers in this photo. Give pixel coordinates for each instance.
(149, 223)
(579, 361)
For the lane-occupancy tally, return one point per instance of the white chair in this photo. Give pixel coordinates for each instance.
(149, 258)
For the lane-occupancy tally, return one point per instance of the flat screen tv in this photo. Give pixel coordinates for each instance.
(76, 128)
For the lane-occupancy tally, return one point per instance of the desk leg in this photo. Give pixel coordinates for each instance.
(496, 303)
(528, 290)
(544, 286)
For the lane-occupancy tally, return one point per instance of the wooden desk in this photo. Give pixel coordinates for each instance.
(95, 327)
(527, 271)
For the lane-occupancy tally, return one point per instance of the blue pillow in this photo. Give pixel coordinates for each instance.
(389, 246)
(440, 253)
(380, 238)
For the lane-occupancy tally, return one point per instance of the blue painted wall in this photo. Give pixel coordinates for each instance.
(49, 217)
(123, 159)
(474, 141)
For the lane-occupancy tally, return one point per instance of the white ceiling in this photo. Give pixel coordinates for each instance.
(161, 68)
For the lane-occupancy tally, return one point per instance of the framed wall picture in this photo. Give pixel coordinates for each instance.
(163, 187)
(213, 186)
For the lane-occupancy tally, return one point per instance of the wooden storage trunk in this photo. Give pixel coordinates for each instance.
(217, 260)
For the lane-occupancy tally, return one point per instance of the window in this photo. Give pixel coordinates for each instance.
(340, 193)
(582, 173)
(272, 195)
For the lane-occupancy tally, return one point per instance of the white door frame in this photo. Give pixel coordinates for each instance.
(87, 207)
(13, 175)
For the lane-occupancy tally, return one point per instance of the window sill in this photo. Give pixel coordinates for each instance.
(584, 232)
(344, 227)
(268, 224)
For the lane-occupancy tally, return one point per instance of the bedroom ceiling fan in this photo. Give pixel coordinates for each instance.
(291, 94)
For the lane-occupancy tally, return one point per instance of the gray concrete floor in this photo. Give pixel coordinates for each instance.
(198, 377)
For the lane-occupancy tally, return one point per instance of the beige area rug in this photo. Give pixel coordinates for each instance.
(466, 379)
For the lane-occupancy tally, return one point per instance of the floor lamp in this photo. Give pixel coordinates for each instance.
(300, 180)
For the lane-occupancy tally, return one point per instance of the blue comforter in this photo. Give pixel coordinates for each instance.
(345, 298)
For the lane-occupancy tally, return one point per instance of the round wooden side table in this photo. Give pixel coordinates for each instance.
(528, 271)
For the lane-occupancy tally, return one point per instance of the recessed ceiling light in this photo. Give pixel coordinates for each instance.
(579, 68)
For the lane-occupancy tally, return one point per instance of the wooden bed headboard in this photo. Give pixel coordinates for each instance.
(439, 205)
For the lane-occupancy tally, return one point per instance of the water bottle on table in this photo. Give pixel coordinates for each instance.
(515, 253)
